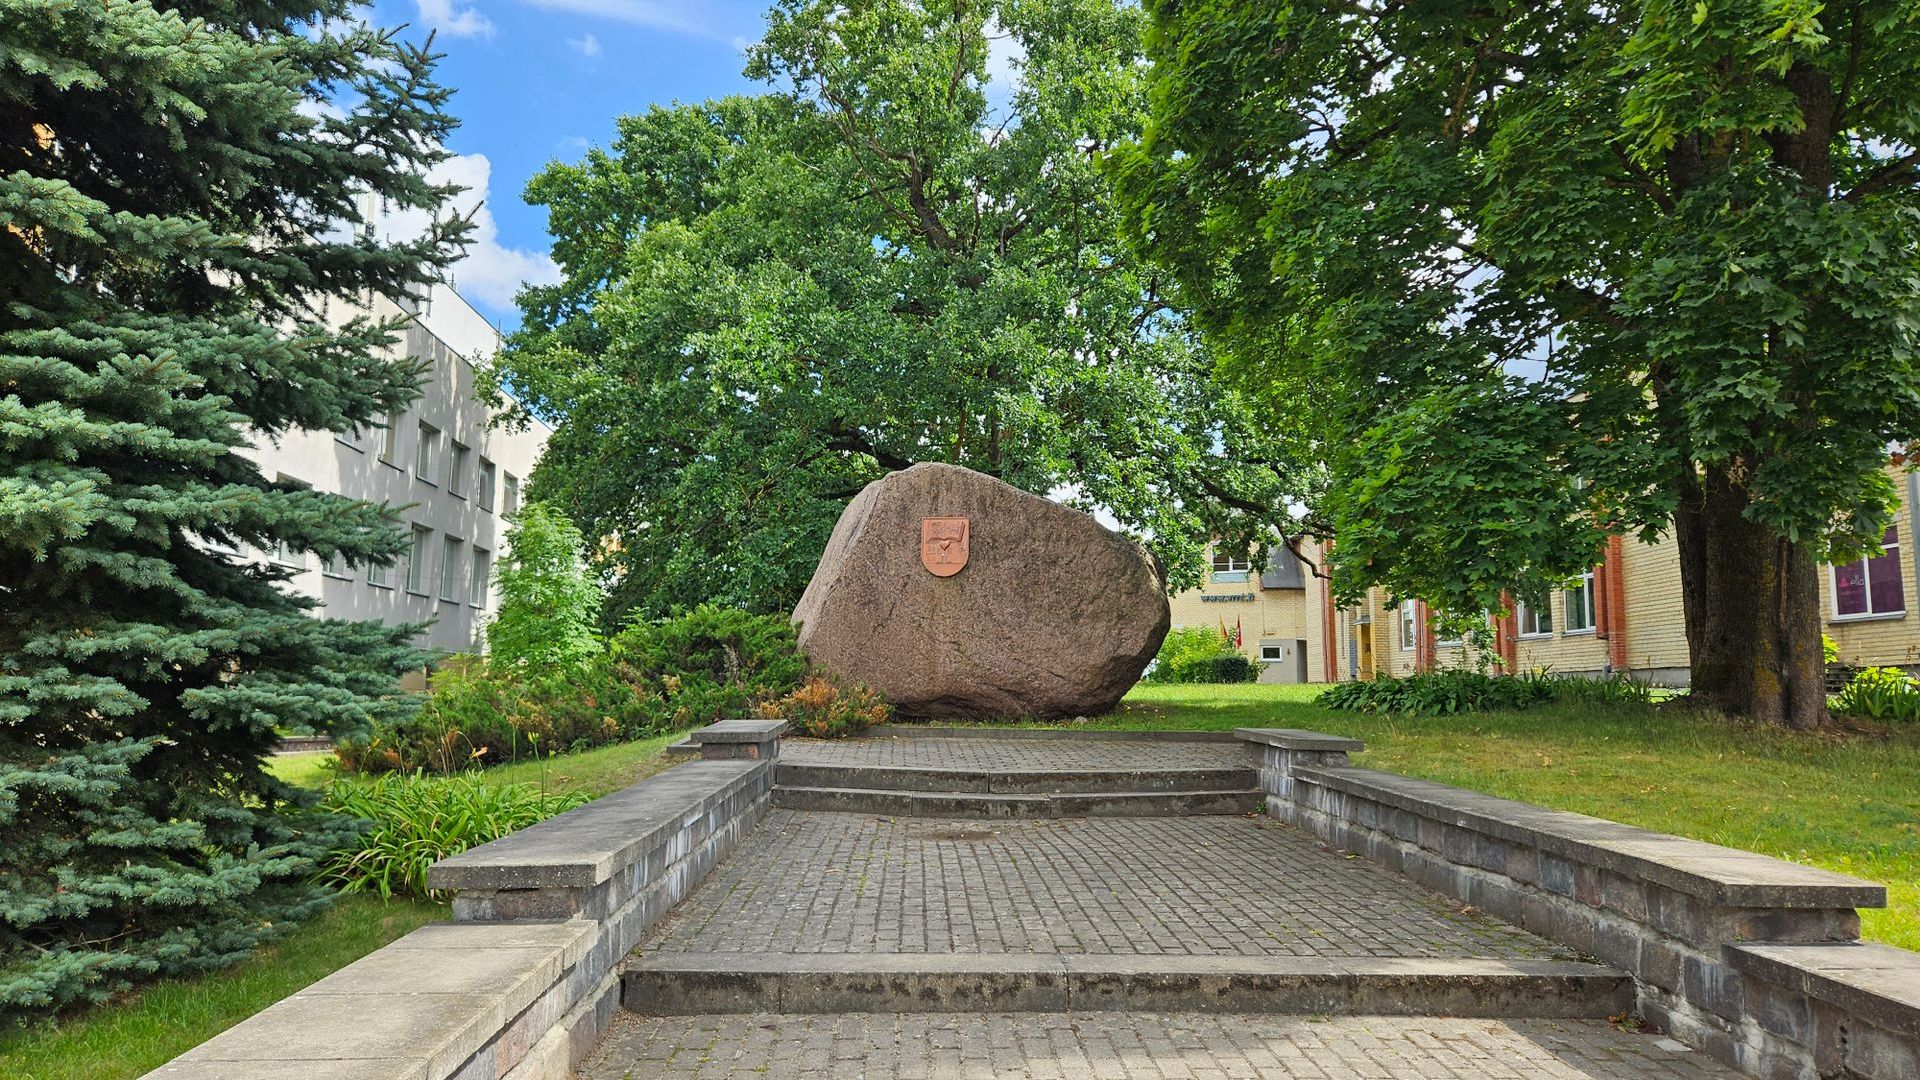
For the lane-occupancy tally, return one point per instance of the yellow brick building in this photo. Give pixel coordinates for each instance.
(1623, 616)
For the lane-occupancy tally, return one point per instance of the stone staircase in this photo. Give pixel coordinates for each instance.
(980, 793)
(1093, 873)
(698, 984)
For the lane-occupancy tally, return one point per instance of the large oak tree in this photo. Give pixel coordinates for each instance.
(886, 258)
(1558, 269)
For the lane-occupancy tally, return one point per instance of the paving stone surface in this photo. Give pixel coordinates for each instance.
(1012, 755)
(1130, 1046)
(1247, 886)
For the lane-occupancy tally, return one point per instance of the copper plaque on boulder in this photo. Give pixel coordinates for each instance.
(943, 545)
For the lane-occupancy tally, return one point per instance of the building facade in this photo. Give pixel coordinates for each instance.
(1622, 616)
(451, 476)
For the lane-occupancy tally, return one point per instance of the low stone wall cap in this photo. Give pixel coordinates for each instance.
(740, 730)
(1296, 739)
(1870, 981)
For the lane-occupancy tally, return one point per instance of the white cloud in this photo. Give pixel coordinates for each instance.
(443, 16)
(669, 15)
(588, 46)
(490, 272)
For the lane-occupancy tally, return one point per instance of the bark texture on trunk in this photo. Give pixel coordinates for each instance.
(1752, 608)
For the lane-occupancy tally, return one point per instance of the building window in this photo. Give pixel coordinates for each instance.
(1270, 652)
(380, 577)
(483, 492)
(477, 581)
(510, 495)
(1871, 586)
(287, 556)
(1580, 604)
(1228, 566)
(390, 440)
(352, 437)
(450, 567)
(424, 451)
(1533, 621)
(335, 566)
(1409, 625)
(457, 471)
(417, 560)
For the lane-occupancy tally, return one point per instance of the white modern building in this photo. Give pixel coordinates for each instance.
(441, 464)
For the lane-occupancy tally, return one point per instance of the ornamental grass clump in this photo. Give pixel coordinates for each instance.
(1881, 694)
(413, 821)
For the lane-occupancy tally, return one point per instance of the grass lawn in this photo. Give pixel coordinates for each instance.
(595, 772)
(166, 1018)
(1849, 803)
(160, 1021)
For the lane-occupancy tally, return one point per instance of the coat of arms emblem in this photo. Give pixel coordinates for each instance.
(943, 545)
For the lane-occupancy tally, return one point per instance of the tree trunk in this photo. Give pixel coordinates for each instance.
(1752, 607)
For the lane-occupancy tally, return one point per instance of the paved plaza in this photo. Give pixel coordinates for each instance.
(1198, 886)
(1131, 1046)
(786, 960)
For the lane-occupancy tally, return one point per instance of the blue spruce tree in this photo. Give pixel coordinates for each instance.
(174, 182)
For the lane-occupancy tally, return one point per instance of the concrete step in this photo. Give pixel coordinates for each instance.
(888, 802)
(1023, 782)
(688, 984)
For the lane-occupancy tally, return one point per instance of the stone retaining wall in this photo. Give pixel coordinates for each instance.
(1752, 959)
(524, 982)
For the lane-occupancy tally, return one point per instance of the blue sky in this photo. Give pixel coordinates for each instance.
(541, 80)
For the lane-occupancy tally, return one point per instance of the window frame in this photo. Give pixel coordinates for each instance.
(1524, 612)
(479, 573)
(1588, 606)
(450, 548)
(509, 494)
(389, 451)
(1409, 623)
(416, 575)
(457, 456)
(424, 451)
(1227, 568)
(489, 474)
(1890, 552)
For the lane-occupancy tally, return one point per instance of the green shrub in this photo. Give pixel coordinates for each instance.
(1438, 693)
(413, 821)
(1186, 656)
(1224, 668)
(651, 678)
(1611, 690)
(1454, 691)
(824, 709)
(1881, 694)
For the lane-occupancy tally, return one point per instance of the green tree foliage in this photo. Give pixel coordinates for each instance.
(169, 180)
(549, 599)
(771, 301)
(1691, 226)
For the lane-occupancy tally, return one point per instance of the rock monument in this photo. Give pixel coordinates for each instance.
(956, 595)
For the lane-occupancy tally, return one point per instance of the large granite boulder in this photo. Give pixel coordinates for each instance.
(957, 595)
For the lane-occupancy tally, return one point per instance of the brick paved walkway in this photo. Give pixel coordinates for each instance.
(1009, 755)
(852, 883)
(1130, 1046)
